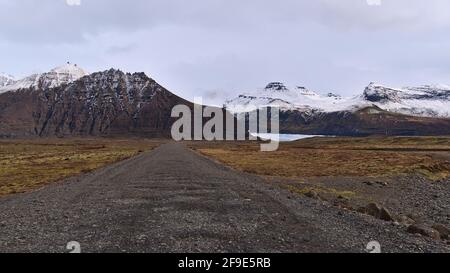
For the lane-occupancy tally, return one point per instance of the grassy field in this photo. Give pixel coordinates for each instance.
(331, 157)
(30, 164)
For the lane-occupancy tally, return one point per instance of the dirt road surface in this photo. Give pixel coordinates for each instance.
(174, 200)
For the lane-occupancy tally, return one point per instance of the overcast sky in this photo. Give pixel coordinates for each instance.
(218, 48)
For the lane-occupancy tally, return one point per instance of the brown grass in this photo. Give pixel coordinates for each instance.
(330, 157)
(30, 164)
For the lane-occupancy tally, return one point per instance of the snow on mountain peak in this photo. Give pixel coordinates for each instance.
(426, 101)
(381, 93)
(278, 87)
(277, 94)
(73, 70)
(378, 93)
(62, 75)
(6, 80)
(56, 77)
(306, 92)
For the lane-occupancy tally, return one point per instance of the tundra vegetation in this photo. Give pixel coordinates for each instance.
(30, 164)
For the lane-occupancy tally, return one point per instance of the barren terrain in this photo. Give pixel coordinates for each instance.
(172, 199)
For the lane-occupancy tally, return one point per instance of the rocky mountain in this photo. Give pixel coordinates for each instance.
(363, 122)
(379, 110)
(104, 103)
(296, 98)
(67, 101)
(58, 76)
(423, 101)
(6, 80)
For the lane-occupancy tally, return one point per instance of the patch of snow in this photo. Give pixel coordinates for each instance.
(6, 80)
(56, 77)
(63, 74)
(27, 82)
(427, 100)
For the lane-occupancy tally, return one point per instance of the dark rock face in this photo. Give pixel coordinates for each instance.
(16, 114)
(376, 93)
(104, 103)
(430, 92)
(277, 86)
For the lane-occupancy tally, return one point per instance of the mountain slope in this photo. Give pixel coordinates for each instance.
(378, 111)
(103, 103)
(364, 122)
(423, 101)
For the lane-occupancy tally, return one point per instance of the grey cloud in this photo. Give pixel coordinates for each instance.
(53, 21)
(120, 49)
(197, 46)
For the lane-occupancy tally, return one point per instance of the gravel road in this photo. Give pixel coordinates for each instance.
(174, 200)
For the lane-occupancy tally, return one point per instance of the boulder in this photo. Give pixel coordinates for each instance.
(424, 231)
(312, 195)
(378, 212)
(405, 220)
(343, 204)
(443, 231)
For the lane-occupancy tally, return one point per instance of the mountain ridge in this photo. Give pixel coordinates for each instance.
(422, 101)
(55, 77)
(6, 80)
(67, 101)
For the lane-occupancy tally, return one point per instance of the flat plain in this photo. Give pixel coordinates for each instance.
(137, 195)
(30, 164)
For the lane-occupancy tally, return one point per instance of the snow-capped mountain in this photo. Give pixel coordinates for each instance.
(103, 103)
(424, 101)
(58, 76)
(6, 80)
(292, 98)
(67, 102)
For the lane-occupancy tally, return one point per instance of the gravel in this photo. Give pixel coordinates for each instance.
(174, 200)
